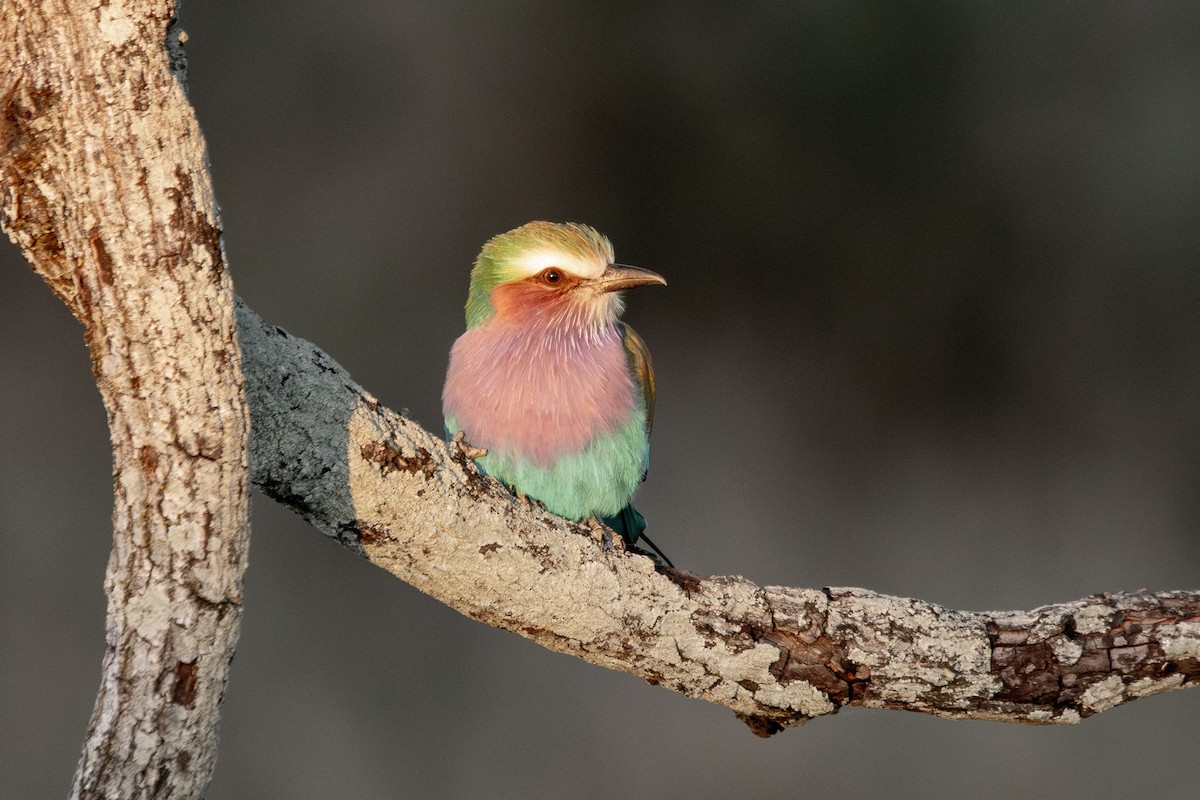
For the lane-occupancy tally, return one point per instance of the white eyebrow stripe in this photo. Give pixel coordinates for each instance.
(534, 262)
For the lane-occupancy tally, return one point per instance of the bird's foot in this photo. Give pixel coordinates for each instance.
(467, 449)
(607, 543)
(532, 503)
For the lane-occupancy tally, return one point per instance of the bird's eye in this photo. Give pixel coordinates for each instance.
(552, 276)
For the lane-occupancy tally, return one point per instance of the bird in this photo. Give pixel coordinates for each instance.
(551, 391)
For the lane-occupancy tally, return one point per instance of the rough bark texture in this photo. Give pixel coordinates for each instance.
(105, 190)
(776, 656)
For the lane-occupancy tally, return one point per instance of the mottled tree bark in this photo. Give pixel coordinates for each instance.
(105, 190)
(387, 488)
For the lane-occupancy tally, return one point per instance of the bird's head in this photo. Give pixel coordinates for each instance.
(550, 271)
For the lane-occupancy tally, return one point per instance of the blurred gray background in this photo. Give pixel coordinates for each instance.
(933, 328)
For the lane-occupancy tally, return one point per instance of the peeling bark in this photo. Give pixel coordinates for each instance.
(105, 190)
(395, 493)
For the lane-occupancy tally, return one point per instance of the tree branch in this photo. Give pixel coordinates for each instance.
(388, 489)
(106, 190)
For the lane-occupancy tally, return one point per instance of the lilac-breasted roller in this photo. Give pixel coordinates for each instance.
(548, 380)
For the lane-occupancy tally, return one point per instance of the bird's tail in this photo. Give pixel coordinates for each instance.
(627, 522)
(632, 526)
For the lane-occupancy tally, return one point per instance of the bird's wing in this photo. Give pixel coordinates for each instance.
(643, 374)
(643, 370)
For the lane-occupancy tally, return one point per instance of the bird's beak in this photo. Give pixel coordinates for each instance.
(618, 277)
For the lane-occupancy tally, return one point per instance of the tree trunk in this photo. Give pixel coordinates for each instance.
(105, 189)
